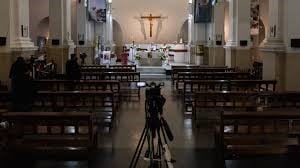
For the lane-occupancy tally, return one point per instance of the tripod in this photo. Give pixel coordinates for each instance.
(155, 132)
(154, 156)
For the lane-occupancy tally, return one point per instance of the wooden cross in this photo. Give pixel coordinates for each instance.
(151, 18)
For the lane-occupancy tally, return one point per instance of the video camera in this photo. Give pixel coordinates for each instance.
(154, 99)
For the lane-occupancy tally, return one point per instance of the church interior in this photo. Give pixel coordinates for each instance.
(149, 83)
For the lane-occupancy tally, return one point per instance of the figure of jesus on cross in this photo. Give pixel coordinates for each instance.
(151, 18)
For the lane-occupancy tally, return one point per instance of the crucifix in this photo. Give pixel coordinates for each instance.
(151, 18)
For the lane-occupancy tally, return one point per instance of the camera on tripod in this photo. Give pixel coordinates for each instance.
(154, 99)
(156, 130)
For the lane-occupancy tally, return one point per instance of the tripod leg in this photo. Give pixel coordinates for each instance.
(139, 146)
(167, 154)
(160, 147)
(152, 156)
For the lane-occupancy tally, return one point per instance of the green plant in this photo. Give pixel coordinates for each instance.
(163, 57)
(138, 57)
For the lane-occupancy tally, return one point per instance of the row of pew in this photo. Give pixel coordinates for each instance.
(250, 116)
(67, 115)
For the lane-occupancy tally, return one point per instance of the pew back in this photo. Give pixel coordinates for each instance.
(252, 134)
(49, 131)
(99, 102)
(223, 101)
(184, 76)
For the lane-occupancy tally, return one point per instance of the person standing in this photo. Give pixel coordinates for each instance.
(73, 68)
(21, 86)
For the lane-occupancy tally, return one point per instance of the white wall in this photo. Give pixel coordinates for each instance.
(291, 23)
(4, 28)
(200, 32)
(127, 12)
(38, 10)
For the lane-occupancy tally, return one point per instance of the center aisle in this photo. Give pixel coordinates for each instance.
(191, 147)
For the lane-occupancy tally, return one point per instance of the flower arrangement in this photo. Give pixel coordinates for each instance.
(138, 57)
(163, 57)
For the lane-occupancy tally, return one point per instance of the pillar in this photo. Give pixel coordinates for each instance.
(273, 48)
(292, 25)
(238, 46)
(14, 30)
(83, 43)
(191, 46)
(216, 50)
(109, 26)
(61, 46)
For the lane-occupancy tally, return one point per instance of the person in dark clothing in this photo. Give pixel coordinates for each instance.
(21, 85)
(73, 69)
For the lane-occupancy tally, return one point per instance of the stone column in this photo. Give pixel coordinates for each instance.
(14, 29)
(216, 50)
(191, 46)
(61, 46)
(273, 48)
(84, 45)
(109, 26)
(239, 43)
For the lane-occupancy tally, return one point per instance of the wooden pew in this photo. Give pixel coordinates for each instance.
(3, 131)
(192, 86)
(121, 76)
(81, 85)
(99, 102)
(128, 81)
(5, 101)
(110, 68)
(195, 66)
(132, 67)
(275, 100)
(89, 68)
(256, 134)
(62, 85)
(224, 101)
(51, 131)
(177, 69)
(3, 87)
(183, 76)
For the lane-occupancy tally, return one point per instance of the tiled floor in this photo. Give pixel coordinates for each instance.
(192, 147)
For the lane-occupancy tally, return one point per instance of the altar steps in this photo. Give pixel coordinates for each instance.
(152, 73)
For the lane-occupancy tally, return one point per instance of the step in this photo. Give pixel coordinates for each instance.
(151, 70)
(152, 76)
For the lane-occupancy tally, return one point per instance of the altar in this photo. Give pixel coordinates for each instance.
(157, 54)
(150, 58)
